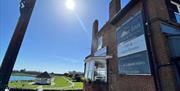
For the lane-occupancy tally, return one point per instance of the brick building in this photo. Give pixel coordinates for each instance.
(138, 49)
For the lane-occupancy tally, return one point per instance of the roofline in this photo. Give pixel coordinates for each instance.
(123, 11)
(103, 27)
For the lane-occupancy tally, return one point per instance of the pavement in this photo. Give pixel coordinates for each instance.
(72, 84)
(40, 88)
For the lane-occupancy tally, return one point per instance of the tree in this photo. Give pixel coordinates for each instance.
(66, 74)
(77, 78)
(23, 70)
(70, 75)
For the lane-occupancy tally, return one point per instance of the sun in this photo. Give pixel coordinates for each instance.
(70, 4)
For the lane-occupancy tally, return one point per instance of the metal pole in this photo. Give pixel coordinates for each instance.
(26, 8)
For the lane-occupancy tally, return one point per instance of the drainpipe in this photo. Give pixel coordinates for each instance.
(153, 64)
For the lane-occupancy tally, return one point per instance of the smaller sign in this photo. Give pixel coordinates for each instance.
(101, 52)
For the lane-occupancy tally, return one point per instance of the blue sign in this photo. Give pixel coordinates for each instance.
(132, 51)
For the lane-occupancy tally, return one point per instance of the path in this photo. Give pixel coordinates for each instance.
(40, 88)
(52, 81)
(72, 84)
(61, 88)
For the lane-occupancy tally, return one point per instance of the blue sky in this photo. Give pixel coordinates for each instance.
(55, 40)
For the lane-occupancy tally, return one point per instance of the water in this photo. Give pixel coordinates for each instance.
(17, 78)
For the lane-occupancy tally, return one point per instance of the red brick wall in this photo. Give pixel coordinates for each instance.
(157, 12)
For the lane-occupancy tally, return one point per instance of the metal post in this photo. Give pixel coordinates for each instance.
(26, 8)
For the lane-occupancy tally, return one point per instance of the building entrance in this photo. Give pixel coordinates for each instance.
(96, 73)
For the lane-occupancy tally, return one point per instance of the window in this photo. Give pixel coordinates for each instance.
(100, 71)
(124, 3)
(100, 43)
(174, 44)
(96, 71)
(173, 36)
(89, 70)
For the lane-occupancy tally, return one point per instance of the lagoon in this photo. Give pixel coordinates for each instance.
(20, 78)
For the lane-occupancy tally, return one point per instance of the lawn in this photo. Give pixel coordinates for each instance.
(22, 84)
(78, 85)
(61, 82)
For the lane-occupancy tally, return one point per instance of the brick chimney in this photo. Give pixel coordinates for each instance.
(114, 7)
(94, 37)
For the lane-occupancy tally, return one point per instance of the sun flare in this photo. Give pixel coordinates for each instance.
(70, 4)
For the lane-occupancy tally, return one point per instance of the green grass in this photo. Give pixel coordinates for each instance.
(22, 84)
(59, 81)
(78, 85)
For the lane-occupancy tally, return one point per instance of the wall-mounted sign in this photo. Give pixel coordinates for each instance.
(132, 46)
(174, 9)
(101, 52)
(132, 51)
